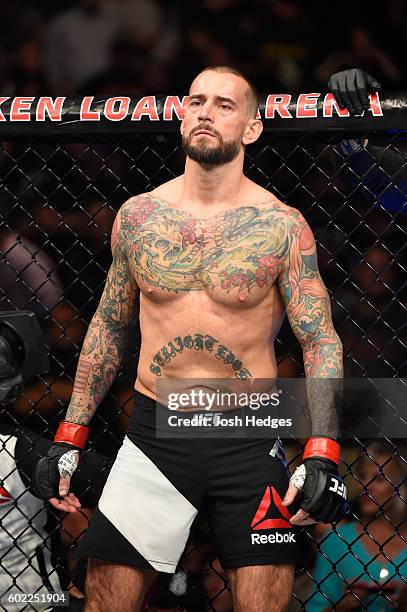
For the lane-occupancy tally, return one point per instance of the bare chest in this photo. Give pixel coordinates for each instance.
(238, 252)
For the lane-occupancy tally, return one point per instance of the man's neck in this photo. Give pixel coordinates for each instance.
(210, 187)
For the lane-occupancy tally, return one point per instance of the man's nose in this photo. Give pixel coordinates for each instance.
(206, 112)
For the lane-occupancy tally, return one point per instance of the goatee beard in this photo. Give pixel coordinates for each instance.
(224, 153)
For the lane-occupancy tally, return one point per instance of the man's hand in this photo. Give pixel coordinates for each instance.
(358, 591)
(53, 473)
(69, 503)
(351, 89)
(323, 494)
(354, 596)
(301, 517)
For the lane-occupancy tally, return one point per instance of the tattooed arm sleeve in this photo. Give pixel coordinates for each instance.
(106, 337)
(309, 314)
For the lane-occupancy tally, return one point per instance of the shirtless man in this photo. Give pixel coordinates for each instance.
(214, 262)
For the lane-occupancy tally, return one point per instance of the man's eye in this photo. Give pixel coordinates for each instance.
(226, 106)
(194, 102)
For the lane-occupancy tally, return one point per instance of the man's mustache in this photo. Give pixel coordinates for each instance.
(204, 127)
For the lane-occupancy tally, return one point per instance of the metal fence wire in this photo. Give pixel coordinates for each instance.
(58, 199)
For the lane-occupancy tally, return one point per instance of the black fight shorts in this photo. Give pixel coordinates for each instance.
(158, 485)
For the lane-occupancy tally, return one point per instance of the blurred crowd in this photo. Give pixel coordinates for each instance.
(63, 199)
(155, 46)
(58, 201)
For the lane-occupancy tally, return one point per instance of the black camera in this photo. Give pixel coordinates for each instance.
(23, 352)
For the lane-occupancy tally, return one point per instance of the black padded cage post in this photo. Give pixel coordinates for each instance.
(68, 164)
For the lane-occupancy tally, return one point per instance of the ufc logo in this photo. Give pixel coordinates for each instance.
(338, 487)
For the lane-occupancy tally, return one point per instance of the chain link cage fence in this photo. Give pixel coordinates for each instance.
(63, 176)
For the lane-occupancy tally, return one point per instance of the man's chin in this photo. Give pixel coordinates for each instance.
(208, 156)
(210, 152)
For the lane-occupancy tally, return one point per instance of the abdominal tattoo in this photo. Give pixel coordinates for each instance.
(197, 342)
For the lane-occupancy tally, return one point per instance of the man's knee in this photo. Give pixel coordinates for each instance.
(111, 586)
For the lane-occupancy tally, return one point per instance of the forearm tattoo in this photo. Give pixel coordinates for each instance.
(309, 313)
(105, 341)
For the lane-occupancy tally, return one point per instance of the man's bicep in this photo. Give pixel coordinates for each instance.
(309, 311)
(120, 295)
(301, 286)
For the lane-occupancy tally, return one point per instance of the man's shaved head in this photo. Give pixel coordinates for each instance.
(252, 93)
(221, 116)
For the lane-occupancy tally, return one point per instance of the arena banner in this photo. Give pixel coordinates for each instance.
(91, 115)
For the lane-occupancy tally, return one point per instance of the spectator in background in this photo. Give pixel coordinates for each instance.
(387, 23)
(28, 70)
(215, 32)
(123, 75)
(362, 51)
(80, 40)
(367, 557)
(374, 301)
(78, 45)
(20, 20)
(23, 74)
(382, 170)
(284, 35)
(143, 26)
(198, 50)
(137, 21)
(28, 276)
(26, 544)
(373, 178)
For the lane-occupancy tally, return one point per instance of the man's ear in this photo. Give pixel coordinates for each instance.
(252, 132)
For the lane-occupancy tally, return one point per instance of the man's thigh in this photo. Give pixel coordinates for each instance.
(261, 588)
(250, 525)
(111, 586)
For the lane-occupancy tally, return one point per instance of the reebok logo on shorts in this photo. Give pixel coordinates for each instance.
(260, 522)
(271, 498)
(273, 538)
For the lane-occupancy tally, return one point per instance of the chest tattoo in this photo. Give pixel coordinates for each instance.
(171, 250)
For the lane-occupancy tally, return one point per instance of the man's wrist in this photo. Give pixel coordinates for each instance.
(72, 433)
(320, 447)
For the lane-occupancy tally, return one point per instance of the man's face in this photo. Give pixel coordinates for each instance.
(216, 117)
(379, 483)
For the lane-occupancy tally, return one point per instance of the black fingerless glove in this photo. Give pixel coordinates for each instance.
(324, 493)
(46, 477)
